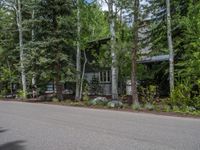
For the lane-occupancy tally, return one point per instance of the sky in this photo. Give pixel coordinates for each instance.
(102, 2)
(104, 5)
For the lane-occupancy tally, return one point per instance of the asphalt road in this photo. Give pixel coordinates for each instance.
(25, 126)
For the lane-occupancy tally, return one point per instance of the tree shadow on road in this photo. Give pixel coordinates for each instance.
(15, 145)
(2, 130)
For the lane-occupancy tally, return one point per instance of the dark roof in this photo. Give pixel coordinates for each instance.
(99, 41)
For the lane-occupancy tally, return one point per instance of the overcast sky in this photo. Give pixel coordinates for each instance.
(104, 5)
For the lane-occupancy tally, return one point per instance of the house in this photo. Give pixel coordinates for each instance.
(99, 78)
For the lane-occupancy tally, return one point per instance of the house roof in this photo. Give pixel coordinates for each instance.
(158, 58)
(98, 41)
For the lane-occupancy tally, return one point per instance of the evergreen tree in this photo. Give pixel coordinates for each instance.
(54, 34)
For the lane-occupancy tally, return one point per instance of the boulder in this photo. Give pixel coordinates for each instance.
(99, 101)
(115, 104)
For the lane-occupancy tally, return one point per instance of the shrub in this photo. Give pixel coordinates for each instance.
(86, 92)
(21, 94)
(181, 95)
(149, 106)
(136, 107)
(196, 102)
(3, 93)
(185, 96)
(55, 100)
(166, 108)
(94, 86)
(85, 98)
(188, 109)
(176, 109)
(148, 93)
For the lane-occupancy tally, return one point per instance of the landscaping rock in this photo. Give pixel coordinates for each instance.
(191, 109)
(115, 104)
(99, 101)
(42, 98)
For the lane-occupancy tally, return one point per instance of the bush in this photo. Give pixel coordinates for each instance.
(166, 108)
(136, 107)
(149, 106)
(180, 96)
(21, 94)
(148, 93)
(55, 100)
(185, 96)
(86, 93)
(196, 102)
(176, 109)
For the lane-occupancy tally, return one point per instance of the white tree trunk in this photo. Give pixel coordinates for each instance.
(33, 38)
(83, 75)
(78, 55)
(19, 25)
(114, 68)
(170, 45)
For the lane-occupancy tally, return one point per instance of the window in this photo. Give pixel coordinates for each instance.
(50, 87)
(104, 77)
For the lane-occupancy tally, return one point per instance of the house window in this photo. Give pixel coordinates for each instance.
(104, 77)
(50, 87)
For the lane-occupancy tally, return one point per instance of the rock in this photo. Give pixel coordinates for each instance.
(99, 101)
(42, 98)
(115, 104)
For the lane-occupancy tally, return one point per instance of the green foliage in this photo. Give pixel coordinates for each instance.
(94, 86)
(148, 94)
(184, 95)
(136, 107)
(176, 109)
(3, 92)
(188, 67)
(181, 95)
(93, 22)
(166, 108)
(196, 102)
(86, 93)
(21, 94)
(149, 106)
(186, 92)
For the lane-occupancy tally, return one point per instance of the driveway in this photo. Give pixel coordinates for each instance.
(26, 126)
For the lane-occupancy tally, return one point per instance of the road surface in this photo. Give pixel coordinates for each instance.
(26, 126)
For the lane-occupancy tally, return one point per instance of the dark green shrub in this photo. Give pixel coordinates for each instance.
(147, 94)
(181, 95)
